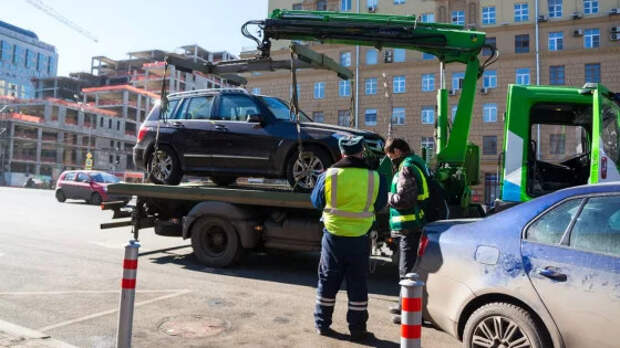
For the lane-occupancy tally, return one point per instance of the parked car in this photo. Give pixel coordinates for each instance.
(228, 133)
(545, 273)
(89, 185)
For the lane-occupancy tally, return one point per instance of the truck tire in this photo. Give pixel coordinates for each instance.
(486, 320)
(303, 173)
(215, 242)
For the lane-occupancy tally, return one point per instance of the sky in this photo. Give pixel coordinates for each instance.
(123, 26)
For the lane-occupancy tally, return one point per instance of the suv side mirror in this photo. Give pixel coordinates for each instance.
(256, 118)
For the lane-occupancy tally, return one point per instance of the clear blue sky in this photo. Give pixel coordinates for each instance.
(134, 25)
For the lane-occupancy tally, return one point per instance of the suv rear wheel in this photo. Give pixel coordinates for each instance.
(163, 167)
(502, 324)
(302, 172)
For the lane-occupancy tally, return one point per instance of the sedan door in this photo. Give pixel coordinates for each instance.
(82, 186)
(573, 251)
(68, 185)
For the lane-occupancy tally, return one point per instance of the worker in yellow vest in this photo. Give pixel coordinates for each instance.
(349, 194)
(407, 199)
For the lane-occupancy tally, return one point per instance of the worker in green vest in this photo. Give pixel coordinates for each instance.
(349, 193)
(407, 198)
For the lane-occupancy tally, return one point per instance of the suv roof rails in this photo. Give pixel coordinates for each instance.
(207, 91)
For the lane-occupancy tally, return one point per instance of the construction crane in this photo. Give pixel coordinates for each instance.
(53, 13)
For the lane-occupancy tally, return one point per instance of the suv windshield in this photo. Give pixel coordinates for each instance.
(104, 178)
(281, 110)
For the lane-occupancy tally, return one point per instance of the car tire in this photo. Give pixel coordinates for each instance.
(313, 159)
(482, 324)
(165, 168)
(60, 196)
(224, 180)
(95, 199)
(215, 242)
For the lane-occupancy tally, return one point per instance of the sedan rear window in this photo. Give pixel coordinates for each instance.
(550, 228)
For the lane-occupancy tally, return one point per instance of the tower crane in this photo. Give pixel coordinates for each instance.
(53, 13)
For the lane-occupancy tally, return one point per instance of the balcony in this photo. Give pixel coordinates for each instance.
(25, 118)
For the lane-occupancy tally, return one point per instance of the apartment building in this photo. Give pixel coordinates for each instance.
(578, 42)
(23, 57)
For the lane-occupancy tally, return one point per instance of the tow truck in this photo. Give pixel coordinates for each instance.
(224, 221)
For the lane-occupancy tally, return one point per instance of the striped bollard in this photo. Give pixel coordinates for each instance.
(411, 311)
(128, 293)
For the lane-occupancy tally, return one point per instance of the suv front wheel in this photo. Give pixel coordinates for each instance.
(302, 172)
(163, 167)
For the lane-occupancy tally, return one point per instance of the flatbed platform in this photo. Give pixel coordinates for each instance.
(262, 195)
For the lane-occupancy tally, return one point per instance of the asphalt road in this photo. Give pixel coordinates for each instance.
(60, 274)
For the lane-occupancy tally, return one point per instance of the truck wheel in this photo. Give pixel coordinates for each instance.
(60, 196)
(223, 180)
(303, 172)
(502, 324)
(163, 167)
(215, 242)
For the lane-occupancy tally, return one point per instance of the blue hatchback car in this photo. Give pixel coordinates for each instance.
(545, 273)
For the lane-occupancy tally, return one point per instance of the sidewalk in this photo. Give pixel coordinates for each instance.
(15, 336)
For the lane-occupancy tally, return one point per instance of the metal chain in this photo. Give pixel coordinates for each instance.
(390, 101)
(294, 110)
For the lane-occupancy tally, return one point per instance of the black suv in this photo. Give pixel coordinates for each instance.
(228, 133)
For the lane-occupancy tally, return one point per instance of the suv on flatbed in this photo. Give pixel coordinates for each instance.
(230, 133)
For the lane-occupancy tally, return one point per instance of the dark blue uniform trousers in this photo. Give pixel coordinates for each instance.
(343, 258)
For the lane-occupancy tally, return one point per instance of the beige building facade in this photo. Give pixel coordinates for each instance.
(577, 44)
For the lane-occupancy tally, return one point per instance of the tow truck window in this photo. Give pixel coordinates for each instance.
(281, 110)
(610, 132)
(237, 108)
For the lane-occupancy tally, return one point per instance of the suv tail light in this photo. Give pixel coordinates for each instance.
(141, 133)
(423, 245)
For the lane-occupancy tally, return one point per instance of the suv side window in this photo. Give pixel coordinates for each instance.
(237, 107)
(597, 228)
(81, 177)
(199, 108)
(550, 228)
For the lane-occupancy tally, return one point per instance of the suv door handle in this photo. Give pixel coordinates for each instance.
(178, 124)
(221, 127)
(552, 273)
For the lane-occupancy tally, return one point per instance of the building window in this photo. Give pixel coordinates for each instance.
(110, 124)
(488, 15)
(371, 86)
(399, 2)
(489, 145)
(49, 64)
(454, 108)
(256, 90)
(344, 118)
(557, 144)
(556, 41)
(345, 5)
(556, 75)
(522, 43)
(457, 80)
(427, 56)
(591, 38)
(489, 79)
(297, 7)
(522, 76)
(101, 122)
(489, 113)
(399, 55)
(370, 117)
(427, 18)
(491, 41)
(319, 90)
(428, 82)
(458, 17)
(593, 72)
(428, 143)
(345, 58)
(428, 115)
(398, 84)
(590, 6)
(38, 61)
(344, 88)
(521, 13)
(318, 116)
(15, 49)
(371, 4)
(118, 125)
(555, 8)
(321, 5)
(398, 116)
(371, 57)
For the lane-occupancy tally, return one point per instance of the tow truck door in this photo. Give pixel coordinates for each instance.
(605, 153)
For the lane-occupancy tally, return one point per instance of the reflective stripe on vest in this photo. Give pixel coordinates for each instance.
(409, 217)
(349, 204)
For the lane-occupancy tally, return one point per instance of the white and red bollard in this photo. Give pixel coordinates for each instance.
(128, 294)
(411, 311)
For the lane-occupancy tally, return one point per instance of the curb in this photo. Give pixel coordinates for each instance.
(21, 336)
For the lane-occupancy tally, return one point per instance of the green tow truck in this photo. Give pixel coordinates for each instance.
(222, 222)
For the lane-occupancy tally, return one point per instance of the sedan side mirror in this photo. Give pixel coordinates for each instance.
(256, 118)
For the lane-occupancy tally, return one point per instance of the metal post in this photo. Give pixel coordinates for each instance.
(537, 72)
(128, 293)
(411, 311)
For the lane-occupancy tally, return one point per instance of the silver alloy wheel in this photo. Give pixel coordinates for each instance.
(499, 332)
(306, 170)
(161, 165)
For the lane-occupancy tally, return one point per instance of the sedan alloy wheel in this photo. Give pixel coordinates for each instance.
(499, 332)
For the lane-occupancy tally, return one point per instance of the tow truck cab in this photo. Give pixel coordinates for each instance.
(576, 127)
